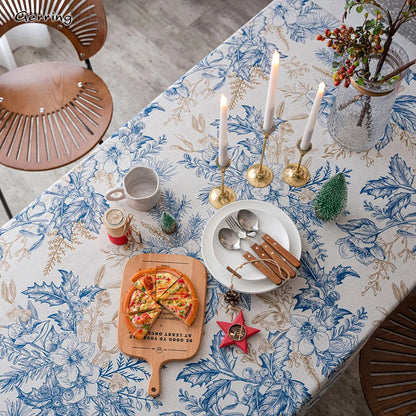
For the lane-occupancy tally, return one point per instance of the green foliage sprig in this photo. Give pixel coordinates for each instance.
(355, 47)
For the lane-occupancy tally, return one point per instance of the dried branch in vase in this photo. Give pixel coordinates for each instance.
(356, 48)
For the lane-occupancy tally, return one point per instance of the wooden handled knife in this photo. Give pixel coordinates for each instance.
(262, 254)
(275, 256)
(263, 269)
(281, 250)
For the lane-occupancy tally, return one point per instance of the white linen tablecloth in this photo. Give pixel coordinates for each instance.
(60, 275)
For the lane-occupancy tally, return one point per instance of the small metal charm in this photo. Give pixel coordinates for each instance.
(237, 332)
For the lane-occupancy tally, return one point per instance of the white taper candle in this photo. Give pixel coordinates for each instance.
(223, 145)
(271, 93)
(310, 124)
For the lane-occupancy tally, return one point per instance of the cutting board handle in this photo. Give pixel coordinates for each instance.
(154, 382)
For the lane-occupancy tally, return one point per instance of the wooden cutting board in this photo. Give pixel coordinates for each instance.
(169, 338)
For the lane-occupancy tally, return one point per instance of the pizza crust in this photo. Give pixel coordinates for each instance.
(166, 277)
(190, 314)
(182, 302)
(137, 301)
(140, 323)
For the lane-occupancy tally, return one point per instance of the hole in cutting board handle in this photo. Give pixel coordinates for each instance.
(153, 388)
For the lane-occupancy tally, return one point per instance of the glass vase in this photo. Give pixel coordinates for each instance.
(360, 113)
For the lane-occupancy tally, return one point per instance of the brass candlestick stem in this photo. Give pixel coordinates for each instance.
(260, 175)
(296, 174)
(222, 195)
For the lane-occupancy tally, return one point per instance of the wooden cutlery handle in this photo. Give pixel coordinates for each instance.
(264, 256)
(275, 256)
(262, 268)
(282, 251)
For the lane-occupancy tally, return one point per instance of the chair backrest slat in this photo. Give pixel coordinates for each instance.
(83, 22)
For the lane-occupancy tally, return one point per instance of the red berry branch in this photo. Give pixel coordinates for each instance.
(355, 47)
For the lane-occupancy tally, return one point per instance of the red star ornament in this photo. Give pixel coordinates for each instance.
(237, 332)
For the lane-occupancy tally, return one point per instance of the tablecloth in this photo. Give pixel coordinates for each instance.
(60, 275)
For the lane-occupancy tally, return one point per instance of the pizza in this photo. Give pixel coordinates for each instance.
(142, 321)
(180, 299)
(145, 281)
(138, 301)
(154, 289)
(165, 278)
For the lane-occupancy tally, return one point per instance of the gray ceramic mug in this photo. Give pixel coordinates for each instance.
(140, 189)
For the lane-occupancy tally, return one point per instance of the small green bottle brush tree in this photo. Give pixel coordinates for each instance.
(168, 223)
(331, 199)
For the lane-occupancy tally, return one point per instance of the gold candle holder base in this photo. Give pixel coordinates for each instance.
(220, 198)
(260, 175)
(296, 174)
(222, 195)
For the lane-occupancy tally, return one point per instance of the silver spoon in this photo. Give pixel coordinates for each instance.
(248, 221)
(229, 239)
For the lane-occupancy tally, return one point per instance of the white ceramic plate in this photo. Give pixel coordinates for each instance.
(272, 220)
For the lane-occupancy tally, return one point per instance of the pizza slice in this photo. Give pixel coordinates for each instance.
(179, 307)
(145, 280)
(140, 323)
(180, 299)
(165, 278)
(141, 273)
(180, 289)
(138, 301)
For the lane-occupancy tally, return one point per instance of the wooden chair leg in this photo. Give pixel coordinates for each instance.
(6, 207)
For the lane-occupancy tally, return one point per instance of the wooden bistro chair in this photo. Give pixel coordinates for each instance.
(53, 113)
(388, 363)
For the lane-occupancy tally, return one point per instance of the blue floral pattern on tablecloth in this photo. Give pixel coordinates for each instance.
(60, 276)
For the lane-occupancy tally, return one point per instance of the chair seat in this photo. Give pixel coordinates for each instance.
(388, 363)
(51, 114)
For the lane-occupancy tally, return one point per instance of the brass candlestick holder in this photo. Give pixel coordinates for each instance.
(222, 195)
(260, 175)
(295, 174)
